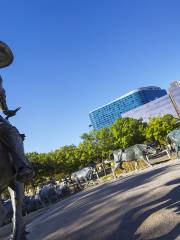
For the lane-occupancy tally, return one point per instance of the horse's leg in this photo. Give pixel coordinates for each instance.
(16, 191)
(2, 214)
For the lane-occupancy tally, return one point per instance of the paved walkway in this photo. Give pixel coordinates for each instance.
(144, 205)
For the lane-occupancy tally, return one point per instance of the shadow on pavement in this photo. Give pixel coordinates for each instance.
(132, 220)
(67, 214)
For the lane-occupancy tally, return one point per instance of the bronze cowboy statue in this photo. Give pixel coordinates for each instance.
(11, 137)
(14, 166)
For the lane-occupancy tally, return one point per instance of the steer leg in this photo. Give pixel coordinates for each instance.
(146, 160)
(113, 172)
(120, 166)
(177, 151)
(87, 181)
(135, 165)
(78, 184)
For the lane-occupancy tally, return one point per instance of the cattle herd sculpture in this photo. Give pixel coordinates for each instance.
(46, 195)
(53, 192)
(136, 152)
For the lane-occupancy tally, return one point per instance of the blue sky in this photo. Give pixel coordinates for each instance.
(72, 56)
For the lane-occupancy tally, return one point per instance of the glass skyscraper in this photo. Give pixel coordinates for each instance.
(107, 114)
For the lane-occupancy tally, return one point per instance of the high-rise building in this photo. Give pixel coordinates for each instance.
(169, 104)
(174, 94)
(107, 114)
(156, 108)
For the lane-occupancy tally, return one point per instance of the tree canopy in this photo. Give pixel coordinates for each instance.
(159, 127)
(97, 145)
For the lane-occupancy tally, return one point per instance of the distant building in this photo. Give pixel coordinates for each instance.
(107, 114)
(174, 94)
(158, 107)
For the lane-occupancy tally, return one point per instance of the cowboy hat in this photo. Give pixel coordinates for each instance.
(6, 55)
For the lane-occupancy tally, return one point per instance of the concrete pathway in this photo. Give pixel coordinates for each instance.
(144, 205)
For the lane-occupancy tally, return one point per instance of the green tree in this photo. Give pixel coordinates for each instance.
(105, 142)
(159, 127)
(88, 150)
(127, 132)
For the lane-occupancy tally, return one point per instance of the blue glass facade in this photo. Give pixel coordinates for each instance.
(106, 115)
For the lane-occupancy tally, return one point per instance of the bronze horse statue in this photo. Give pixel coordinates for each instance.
(8, 173)
(16, 190)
